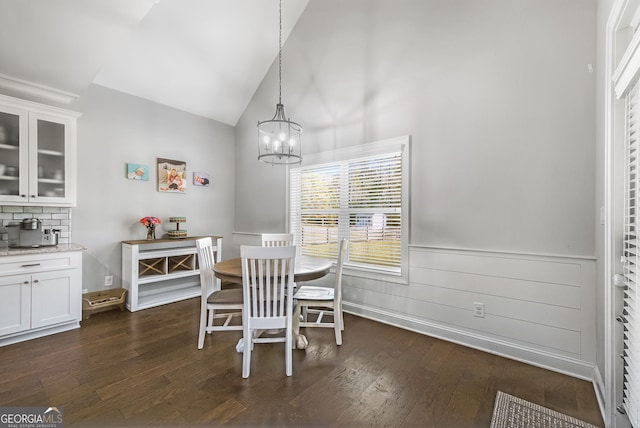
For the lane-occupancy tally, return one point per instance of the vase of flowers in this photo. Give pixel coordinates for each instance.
(150, 224)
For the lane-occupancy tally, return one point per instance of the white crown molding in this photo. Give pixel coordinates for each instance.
(41, 91)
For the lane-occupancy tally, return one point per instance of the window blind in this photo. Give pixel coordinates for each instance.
(630, 318)
(359, 199)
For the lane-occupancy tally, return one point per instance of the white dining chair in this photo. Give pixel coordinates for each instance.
(277, 239)
(267, 284)
(322, 301)
(213, 298)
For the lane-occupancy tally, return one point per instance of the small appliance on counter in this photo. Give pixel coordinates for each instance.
(29, 234)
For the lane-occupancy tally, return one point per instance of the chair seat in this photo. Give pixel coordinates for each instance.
(308, 292)
(232, 295)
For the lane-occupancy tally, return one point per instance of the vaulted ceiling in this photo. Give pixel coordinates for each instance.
(206, 57)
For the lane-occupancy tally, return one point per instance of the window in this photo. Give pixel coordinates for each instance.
(359, 194)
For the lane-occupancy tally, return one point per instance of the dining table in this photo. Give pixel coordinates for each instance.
(306, 268)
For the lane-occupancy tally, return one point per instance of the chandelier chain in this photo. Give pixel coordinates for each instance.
(280, 56)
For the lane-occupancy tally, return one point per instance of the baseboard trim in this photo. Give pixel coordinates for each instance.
(23, 336)
(557, 363)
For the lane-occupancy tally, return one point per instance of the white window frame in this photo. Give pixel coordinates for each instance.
(394, 145)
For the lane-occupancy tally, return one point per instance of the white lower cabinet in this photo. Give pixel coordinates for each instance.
(15, 295)
(40, 295)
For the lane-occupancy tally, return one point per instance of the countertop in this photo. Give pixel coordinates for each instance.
(60, 248)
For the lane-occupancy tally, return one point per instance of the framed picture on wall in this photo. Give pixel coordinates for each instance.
(137, 171)
(172, 176)
(201, 179)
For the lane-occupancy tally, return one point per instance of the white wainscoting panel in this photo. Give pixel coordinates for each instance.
(538, 309)
(241, 238)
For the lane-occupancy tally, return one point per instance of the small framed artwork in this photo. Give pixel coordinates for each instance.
(201, 179)
(135, 171)
(172, 176)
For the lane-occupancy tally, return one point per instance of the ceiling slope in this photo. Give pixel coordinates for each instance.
(205, 57)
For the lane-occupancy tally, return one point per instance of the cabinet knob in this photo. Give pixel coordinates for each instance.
(35, 281)
(23, 196)
(26, 282)
(33, 196)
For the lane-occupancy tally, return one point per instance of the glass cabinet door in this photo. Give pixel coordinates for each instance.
(13, 154)
(50, 159)
(37, 154)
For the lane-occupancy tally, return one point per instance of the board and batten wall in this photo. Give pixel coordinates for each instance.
(498, 98)
(539, 309)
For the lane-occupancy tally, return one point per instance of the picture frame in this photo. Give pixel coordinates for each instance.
(201, 179)
(172, 176)
(136, 171)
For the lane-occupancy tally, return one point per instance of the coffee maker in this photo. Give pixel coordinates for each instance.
(29, 234)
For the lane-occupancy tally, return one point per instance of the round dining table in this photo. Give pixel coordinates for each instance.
(306, 269)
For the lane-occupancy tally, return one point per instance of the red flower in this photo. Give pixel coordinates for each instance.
(148, 221)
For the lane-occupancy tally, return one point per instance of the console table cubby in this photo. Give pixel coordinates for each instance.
(160, 271)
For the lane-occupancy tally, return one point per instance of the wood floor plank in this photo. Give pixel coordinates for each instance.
(144, 369)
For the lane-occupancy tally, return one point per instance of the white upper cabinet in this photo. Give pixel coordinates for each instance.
(37, 154)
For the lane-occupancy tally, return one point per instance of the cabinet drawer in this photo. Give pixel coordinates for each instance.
(12, 265)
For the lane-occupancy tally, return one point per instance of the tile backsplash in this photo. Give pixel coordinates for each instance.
(51, 218)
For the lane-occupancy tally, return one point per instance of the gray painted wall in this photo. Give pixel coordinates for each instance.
(498, 99)
(117, 128)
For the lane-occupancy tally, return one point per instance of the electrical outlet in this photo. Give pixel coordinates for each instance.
(85, 290)
(108, 280)
(478, 309)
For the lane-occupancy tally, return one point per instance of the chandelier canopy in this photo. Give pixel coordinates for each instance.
(279, 139)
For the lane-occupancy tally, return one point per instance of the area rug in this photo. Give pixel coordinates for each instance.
(514, 412)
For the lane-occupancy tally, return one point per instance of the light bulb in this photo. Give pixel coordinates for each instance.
(282, 136)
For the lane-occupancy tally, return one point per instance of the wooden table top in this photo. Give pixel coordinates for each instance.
(306, 269)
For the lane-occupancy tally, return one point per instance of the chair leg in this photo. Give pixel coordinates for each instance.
(338, 323)
(338, 309)
(288, 345)
(212, 314)
(246, 355)
(203, 327)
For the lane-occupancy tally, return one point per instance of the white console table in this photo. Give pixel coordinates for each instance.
(160, 271)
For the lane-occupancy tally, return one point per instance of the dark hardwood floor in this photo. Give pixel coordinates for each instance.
(144, 369)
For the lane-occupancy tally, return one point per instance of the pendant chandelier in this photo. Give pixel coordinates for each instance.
(279, 138)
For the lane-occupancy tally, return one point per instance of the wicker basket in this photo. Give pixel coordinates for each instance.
(100, 301)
